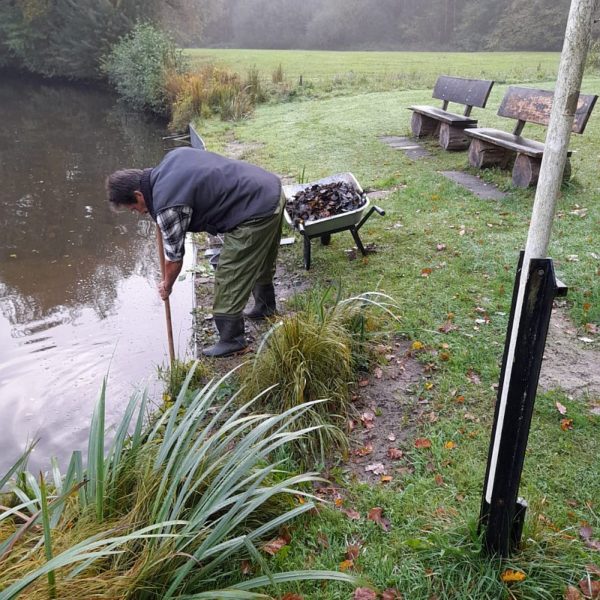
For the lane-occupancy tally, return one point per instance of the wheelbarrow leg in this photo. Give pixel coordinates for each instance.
(306, 252)
(358, 241)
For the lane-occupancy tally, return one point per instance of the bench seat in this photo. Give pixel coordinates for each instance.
(445, 116)
(516, 143)
(448, 126)
(493, 147)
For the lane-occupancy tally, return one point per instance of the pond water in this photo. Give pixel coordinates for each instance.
(78, 297)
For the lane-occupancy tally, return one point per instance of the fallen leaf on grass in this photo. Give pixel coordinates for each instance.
(510, 576)
(591, 328)
(376, 468)
(447, 327)
(560, 408)
(566, 424)
(274, 546)
(245, 567)
(367, 419)
(391, 594)
(385, 478)
(586, 533)
(351, 514)
(352, 551)
(473, 377)
(292, 596)
(375, 515)
(395, 453)
(364, 594)
(346, 564)
(364, 451)
(422, 443)
(572, 593)
(590, 588)
(439, 480)
(426, 272)
(593, 569)
(450, 445)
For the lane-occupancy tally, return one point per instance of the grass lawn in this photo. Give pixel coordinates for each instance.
(431, 549)
(377, 70)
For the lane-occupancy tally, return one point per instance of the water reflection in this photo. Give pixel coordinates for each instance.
(77, 282)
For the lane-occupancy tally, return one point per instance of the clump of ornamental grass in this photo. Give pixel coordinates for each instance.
(315, 354)
(205, 92)
(167, 511)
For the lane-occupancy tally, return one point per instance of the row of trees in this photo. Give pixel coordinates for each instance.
(69, 37)
(387, 24)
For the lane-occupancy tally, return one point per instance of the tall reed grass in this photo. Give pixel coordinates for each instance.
(209, 91)
(167, 512)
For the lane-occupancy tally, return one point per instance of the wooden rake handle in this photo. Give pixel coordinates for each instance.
(161, 256)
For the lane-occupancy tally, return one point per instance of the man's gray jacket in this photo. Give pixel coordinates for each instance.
(221, 191)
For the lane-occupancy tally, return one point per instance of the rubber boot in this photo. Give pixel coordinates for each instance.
(264, 301)
(231, 336)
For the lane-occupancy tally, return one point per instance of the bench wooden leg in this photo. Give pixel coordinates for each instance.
(422, 126)
(483, 154)
(526, 171)
(453, 138)
(567, 171)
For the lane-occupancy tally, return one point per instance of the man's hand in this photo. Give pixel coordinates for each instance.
(172, 270)
(164, 290)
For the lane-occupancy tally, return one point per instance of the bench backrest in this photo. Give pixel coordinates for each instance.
(534, 106)
(470, 92)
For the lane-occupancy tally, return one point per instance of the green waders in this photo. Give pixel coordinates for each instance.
(247, 259)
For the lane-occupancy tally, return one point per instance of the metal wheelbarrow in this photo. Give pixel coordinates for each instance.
(351, 220)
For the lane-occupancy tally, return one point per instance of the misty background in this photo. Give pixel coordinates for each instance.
(373, 24)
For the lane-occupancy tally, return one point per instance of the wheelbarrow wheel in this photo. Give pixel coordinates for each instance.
(326, 239)
(306, 253)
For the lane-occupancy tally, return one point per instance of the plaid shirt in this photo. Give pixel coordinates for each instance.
(173, 223)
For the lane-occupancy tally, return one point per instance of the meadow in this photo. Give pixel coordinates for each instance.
(448, 259)
(432, 548)
(381, 68)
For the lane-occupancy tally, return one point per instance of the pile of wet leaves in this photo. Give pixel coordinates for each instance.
(320, 201)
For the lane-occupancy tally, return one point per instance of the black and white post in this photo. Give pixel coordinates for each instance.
(502, 511)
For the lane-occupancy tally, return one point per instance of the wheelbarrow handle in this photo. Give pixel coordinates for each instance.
(369, 213)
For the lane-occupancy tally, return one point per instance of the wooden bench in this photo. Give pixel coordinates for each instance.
(450, 127)
(492, 147)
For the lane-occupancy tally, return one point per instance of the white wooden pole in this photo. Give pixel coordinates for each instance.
(566, 94)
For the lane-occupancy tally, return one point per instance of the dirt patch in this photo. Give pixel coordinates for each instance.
(387, 410)
(568, 364)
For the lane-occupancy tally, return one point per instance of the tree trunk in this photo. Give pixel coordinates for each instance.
(526, 171)
(422, 126)
(483, 154)
(453, 138)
